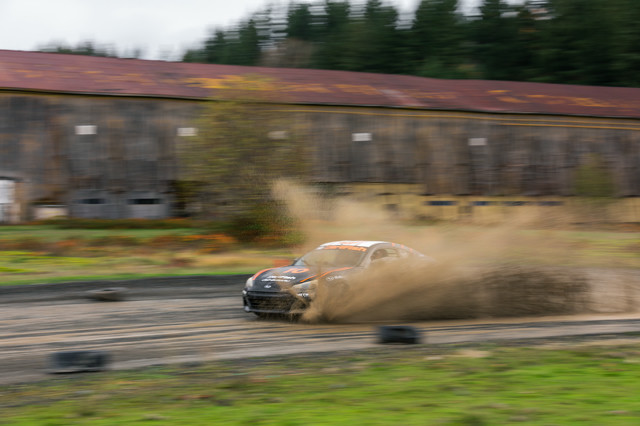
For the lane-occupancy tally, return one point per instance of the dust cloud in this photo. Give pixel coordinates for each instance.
(479, 272)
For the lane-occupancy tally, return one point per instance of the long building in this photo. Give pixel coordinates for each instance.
(96, 137)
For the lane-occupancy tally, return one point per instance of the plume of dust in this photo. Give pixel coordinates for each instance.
(469, 279)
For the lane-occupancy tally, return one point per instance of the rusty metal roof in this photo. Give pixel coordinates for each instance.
(50, 72)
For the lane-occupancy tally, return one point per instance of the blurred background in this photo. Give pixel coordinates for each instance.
(440, 109)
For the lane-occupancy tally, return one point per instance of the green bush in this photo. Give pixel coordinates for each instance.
(267, 224)
(593, 179)
(114, 240)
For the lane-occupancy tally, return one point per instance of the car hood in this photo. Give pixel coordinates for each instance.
(286, 276)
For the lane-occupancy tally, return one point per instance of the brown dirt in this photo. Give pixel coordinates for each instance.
(490, 271)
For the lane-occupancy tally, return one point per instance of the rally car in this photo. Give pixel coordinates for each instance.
(290, 289)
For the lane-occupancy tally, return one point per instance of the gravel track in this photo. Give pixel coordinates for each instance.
(192, 319)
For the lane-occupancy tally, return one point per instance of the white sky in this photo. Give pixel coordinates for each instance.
(162, 29)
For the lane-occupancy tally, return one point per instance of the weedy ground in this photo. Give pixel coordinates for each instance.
(451, 385)
(44, 253)
(483, 384)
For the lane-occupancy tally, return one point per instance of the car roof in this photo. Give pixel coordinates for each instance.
(367, 244)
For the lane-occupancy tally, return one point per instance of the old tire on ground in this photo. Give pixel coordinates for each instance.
(78, 361)
(398, 334)
(112, 294)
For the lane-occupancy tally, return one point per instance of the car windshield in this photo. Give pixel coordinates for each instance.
(337, 258)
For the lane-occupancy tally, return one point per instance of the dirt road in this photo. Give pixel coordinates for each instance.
(201, 318)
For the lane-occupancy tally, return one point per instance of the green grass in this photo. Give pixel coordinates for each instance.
(54, 233)
(44, 253)
(454, 385)
(123, 276)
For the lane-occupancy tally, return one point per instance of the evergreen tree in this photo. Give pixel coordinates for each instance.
(576, 45)
(86, 48)
(436, 39)
(247, 49)
(595, 42)
(624, 16)
(524, 62)
(495, 34)
(300, 22)
(332, 32)
(217, 49)
(373, 40)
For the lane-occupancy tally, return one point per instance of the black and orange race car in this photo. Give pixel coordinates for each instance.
(290, 289)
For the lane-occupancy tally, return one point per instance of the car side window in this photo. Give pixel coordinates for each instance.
(393, 253)
(385, 253)
(404, 253)
(379, 254)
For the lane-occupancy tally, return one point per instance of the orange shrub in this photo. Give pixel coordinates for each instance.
(167, 241)
(63, 247)
(115, 240)
(212, 243)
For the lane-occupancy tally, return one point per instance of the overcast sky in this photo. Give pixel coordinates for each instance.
(162, 29)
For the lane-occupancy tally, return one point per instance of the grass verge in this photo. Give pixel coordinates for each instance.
(451, 385)
(45, 253)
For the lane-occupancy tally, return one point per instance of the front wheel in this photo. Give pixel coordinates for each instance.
(278, 317)
(336, 290)
(339, 288)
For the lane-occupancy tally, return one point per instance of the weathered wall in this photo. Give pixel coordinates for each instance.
(473, 153)
(126, 165)
(407, 201)
(119, 163)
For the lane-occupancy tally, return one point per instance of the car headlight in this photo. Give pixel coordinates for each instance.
(249, 284)
(306, 290)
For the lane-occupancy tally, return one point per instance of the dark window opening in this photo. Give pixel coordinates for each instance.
(92, 201)
(145, 201)
(550, 203)
(441, 203)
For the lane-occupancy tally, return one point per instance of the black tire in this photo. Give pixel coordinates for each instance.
(78, 361)
(398, 334)
(113, 294)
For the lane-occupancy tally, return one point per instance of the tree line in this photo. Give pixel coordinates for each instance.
(590, 42)
(89, 48)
